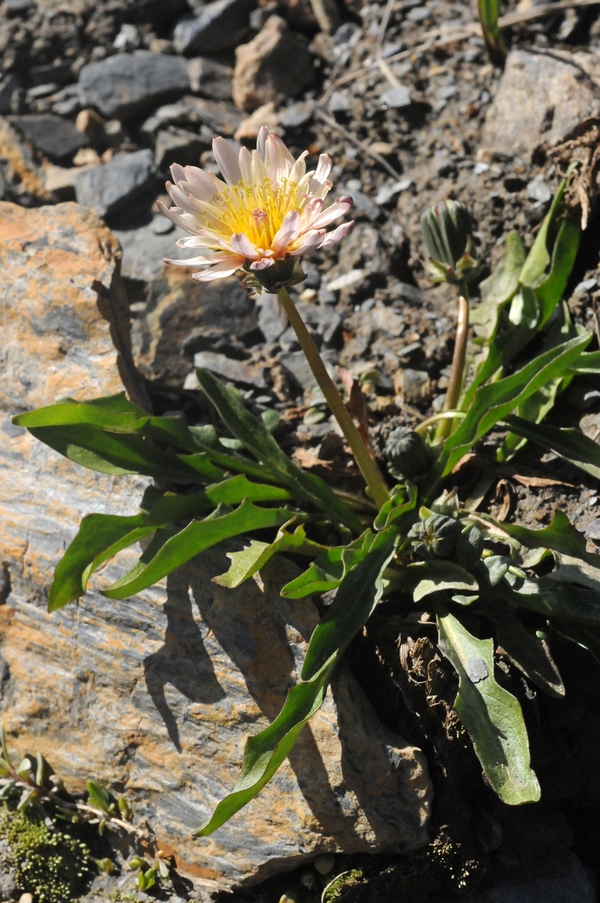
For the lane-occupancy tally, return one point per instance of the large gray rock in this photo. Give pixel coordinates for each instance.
(129, 84)
(110, 187)
(157, 694)
(56, 137)
(217, 26)
(541, 98)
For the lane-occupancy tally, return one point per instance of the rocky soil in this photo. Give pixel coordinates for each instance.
(98, 99)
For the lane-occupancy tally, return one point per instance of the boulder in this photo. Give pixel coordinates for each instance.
(156, 695)
(273, 66)
(56, 137)
(129, 84)
(540, 99)
(114, 185)
(217, 26)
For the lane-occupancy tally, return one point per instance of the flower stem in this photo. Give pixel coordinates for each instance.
(457, 373)
(362, 456)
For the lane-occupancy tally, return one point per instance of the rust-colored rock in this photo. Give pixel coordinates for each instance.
(276, 64)
(158, 693)
(18, 170)
(541, 98)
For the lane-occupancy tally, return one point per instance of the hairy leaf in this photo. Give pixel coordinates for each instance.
(525, 650)
(436, 575)
(329, 569)
(258, 440)
(490, 714)
(570, 444)
(495, 402)
(357, 597)
(170, 551)
(251, 559)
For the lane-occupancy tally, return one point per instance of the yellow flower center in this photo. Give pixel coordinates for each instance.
(256, 209)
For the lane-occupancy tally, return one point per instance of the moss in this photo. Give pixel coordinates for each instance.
(336, 887)
(49, 864)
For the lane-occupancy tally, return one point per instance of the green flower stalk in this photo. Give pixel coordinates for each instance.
(447, 231)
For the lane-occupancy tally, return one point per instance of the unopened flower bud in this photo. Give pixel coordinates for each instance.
(447, 231)
(408, 454)
(469, 546)
(435, 537)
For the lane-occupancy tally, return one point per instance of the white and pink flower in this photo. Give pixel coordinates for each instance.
(268, 208)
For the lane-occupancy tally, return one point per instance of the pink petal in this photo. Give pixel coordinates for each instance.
(261, 141)
(337, 234)
(177, 172)
(246, 165)
(262, 264)
(309, 242)
(175, 214)
(201, 184)
(241, 244)
(335, 210)
(288, 231)
(323, 168)
(278, 159)
(220, 270)
(228, 160)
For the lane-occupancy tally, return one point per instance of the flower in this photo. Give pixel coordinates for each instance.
(268, 211)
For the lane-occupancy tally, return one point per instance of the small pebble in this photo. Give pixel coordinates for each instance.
(324, 864)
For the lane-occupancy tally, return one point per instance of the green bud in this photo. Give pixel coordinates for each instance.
(435, 537)
(469, 546)
(408, 454)
(105, 865)
(282, 274)
(125, 808)
(447, 503)
(447, 231)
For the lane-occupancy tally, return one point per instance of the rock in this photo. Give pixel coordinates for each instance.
(217, 26)
(174, 145)
(18, 7)
(129, 84)
(235, 371)
(297, 367)
(540, 99)
(390, 190)
(397, 98)
(562, 879)
(55, 137)
(363, 205)
(249, 127)
(8, 85)
(144, 247)
(59, 292)
(156, 694)
(272, 321)
(223, 118)
(110, 187)
(177, 308)
(538, 190)
(339, 102)
(297, 115)
(210, 78)
(20, 179)
(275, 65)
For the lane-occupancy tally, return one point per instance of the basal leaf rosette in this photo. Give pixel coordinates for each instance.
(262, 216)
